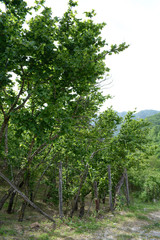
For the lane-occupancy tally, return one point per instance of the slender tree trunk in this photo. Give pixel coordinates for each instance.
(78, 193)
(82, 207)
(29, 189)
(39, 181)
(22, 211)
(127, 187)
(60, 191)
(89, 206)
(6, 146)
(26, 198)
(76, 206)
(4, 124)
(5, 197)
(7, 194)
(11, 201)
(7, 161)
(50, 189)
(104, 198)
(118, 188)
(110, 188)
(96, 196)
(17, 182)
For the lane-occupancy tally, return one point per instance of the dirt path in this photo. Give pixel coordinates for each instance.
(143, 227)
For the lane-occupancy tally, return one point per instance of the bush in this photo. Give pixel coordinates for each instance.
(151, 187)
(145, 183)
(44, 236)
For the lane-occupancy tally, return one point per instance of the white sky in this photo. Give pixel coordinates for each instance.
(136, 71)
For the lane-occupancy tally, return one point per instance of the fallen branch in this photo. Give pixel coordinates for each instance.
(26, 198)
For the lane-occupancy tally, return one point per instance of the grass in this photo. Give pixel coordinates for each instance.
(153, 226)
(85, 225)
(4, 231)
(142, 217)
(143, 207)
(75, 228)
(124, 237)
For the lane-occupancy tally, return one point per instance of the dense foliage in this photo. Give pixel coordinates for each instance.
(50, 133)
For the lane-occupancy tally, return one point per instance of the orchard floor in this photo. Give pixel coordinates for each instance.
(140, 222)
(143, 227)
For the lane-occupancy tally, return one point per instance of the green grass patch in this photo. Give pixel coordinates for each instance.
(142, 217)
(32, 238)
(153, 226)
(84, 225)
(130, 215)
(44, 236)
(143, 207)
(7, 232)
(124, 237)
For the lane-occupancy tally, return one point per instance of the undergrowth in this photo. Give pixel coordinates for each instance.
(76, 228)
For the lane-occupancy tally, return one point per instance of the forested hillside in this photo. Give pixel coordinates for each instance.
(51, 70)
(146, 113)
(141, 114)
(148, 181)
(155, 131)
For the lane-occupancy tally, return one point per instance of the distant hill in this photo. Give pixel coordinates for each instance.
(142, 114)
(154, 119)
(146, 113)
(122, 114)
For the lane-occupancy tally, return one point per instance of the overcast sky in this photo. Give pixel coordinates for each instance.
(136, 71)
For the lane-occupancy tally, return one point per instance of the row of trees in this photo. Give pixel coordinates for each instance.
(50, 134)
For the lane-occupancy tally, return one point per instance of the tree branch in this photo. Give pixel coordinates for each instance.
(21, 105)
(2, 110)
(43, 146)
(37, 166)
(92, 155)
(18, 96)
(26, 198)
(5, 122)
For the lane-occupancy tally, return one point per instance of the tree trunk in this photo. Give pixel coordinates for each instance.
(39, 181)
(127, 187)
(82, 207)
(5, 197)
(21, 215)
(89, 207)
(6, 146)
(96, 196)
(118, 188)
(49, 191)
(104, 199)
(110, 188)
(4, 124)
(29, 187)
(78, 193)
(26, 198)
(11, 201)
(60, 191)
(76, 205)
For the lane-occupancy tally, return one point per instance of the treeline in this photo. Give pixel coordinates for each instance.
(53, 144)
(150, 189)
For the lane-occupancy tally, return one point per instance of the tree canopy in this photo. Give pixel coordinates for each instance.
(50, 130)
